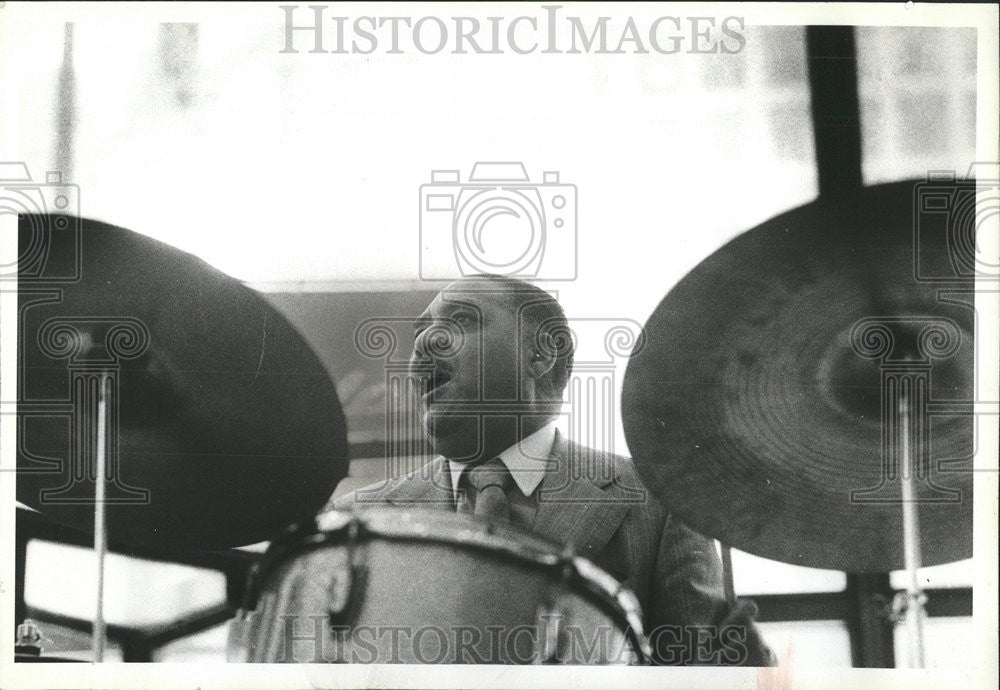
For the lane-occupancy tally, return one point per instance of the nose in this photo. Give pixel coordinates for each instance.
(420, 348)
(422, 364)
(419, 361)
(438, 341)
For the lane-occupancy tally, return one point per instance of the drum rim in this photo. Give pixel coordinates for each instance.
(403, 525)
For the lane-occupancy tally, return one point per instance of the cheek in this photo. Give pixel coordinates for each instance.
(468, 358)
(502, 352)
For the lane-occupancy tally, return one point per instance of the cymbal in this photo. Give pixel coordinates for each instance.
(226, 425)
(754, 417)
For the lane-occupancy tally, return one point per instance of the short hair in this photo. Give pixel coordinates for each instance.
(542, 318)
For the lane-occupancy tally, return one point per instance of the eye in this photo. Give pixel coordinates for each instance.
(419, 326)
(465, 319)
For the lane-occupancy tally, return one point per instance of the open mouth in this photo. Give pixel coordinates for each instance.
(434, 382)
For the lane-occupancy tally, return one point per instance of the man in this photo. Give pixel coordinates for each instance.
(491, 358)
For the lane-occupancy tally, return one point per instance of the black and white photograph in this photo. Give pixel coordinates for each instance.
(499, 344)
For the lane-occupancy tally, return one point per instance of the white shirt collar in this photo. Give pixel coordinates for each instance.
(526, 460)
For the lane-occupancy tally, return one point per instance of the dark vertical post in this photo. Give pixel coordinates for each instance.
(833, 84)
(871, 630)
(135, 649)
(20, 563)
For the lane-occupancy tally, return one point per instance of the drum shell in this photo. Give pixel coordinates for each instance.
(438, 594)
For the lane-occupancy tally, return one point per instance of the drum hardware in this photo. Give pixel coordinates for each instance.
(626, 601)
(548, 620)
(342, 579)
(246, 615)
(294, 539)
(278, 546)
(547, 623)
(28, 638)
(908, 606)
(237, 640)
(29, 642)
(727, 573)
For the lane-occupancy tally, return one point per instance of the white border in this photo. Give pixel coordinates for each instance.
(981, 670)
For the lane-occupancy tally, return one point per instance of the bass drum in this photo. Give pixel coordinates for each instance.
(384, 585)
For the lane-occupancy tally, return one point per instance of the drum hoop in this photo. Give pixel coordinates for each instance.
(309, 535)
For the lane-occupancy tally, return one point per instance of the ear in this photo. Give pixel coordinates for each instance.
(542, 357)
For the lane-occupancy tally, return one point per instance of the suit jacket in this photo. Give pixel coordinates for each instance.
(596, 503)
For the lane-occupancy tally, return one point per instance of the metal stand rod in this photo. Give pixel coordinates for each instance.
(100, 521)
(727, 574)
(911, 541)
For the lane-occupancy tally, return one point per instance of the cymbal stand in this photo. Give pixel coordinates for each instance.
(100, 519)
(913, 599)
(727, 574)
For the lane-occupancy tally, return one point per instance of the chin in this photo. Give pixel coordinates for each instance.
(453, 437)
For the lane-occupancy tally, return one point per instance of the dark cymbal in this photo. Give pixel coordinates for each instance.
(228, 426)
(753, 415)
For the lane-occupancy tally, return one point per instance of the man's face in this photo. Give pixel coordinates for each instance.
(468, 357)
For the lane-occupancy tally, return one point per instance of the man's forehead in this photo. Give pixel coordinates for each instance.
(485, 294)
(479, 292)
(476, 286)
(476, 294)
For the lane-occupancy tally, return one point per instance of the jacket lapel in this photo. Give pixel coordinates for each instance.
(417, 490)
(577, 501)
(577, 504)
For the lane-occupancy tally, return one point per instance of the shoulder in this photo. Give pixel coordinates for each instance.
(604, 467)
(617, 476)
(378, 493)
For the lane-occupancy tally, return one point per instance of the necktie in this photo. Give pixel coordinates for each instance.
(489, 482)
